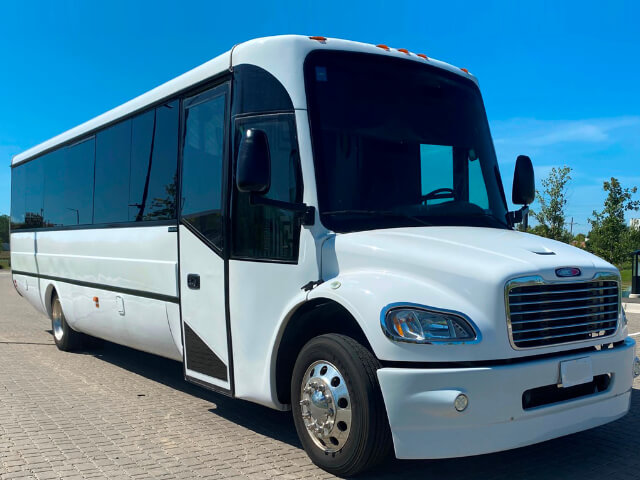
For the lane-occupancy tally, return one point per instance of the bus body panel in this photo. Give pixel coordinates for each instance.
(129, 320)
(139, 263)
(262, 296)
(141, 258)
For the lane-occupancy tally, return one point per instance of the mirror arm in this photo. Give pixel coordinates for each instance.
(519, 216)
(307, 213)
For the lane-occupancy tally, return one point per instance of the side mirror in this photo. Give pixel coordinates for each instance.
(253, 170)
(524, 184)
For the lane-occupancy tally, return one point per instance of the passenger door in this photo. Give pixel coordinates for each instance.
(202, 239)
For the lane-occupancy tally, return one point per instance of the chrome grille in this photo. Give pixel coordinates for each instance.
(541, 314)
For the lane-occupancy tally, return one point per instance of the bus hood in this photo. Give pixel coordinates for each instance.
(461, 252)
(463, 269)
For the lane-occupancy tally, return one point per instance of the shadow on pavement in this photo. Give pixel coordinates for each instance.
(597, 453)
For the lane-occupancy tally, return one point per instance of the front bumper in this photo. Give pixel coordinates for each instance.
(425, 424)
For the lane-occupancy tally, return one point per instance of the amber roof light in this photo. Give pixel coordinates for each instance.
(319, 38)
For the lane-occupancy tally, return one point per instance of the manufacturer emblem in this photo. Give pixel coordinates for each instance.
(568, 272)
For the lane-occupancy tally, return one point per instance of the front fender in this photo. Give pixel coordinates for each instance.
(366, 293)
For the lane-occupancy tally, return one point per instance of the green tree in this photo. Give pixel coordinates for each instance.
(4, 229)
(552, 202)
(610, 237)
(579, 240)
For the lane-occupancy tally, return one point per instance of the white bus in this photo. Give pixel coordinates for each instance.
(320, 225)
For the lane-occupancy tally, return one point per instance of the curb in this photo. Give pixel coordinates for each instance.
(631, 307)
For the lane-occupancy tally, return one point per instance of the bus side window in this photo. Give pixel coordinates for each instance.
(261, 231)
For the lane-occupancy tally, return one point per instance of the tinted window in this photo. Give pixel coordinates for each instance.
(68, 190)
(154, 154)
(18, 183)
(399, 143)
(268, 232)
(113, 151)
(33, 194)
(257, 91)
(202, 167)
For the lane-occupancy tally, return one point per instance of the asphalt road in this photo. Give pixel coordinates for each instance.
(118, 413)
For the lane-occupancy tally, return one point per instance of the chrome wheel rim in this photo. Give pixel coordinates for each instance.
(325, 406)
(56, 322)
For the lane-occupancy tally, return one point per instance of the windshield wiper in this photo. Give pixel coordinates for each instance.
(489, 216)
(379, 213)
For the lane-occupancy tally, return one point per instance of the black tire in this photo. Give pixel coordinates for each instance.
(369, 437)
(66, 338)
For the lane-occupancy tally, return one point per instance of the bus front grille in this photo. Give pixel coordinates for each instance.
(541, 314)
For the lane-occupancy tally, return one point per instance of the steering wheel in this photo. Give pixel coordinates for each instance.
(438, 194)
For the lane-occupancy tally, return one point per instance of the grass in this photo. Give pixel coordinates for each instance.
(4, 260)
(625, 272)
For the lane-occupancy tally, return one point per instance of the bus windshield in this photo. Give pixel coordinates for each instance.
(398, 143)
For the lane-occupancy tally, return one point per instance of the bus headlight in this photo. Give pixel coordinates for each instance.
(417, 325)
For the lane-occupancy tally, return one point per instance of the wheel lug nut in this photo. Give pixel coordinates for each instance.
(304, 402)
(322, 388)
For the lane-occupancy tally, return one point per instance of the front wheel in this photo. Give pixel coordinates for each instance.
(337, 405)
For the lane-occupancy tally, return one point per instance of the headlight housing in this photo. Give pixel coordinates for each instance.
(424, 325)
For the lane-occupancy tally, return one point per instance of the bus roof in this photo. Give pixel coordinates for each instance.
(276, 54)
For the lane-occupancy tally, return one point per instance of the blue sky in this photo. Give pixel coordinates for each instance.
(560, 83)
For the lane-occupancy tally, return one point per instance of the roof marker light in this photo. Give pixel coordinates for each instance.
(464, 70)
(422, 55)
(403, 50)
(319, 38)
(382, 46)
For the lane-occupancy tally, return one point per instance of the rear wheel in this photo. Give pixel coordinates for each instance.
(337, 405)
(65, 337)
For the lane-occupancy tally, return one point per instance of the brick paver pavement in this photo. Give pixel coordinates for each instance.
(118, 413)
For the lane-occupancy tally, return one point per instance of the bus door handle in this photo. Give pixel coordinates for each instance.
(193, 281)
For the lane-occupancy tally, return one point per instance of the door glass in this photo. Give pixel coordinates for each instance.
(202, 163)
(264, 231)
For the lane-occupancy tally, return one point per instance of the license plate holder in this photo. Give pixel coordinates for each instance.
(575, 372)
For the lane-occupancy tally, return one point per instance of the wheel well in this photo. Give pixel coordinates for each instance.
(48, 298)
(316, 317)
